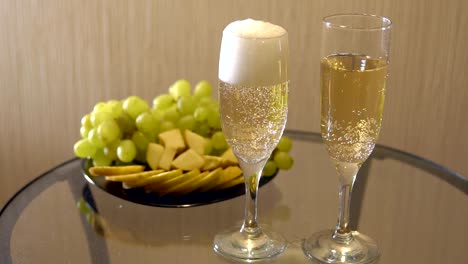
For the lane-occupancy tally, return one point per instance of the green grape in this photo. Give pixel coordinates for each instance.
(111, 149)
(126, 124)
(101, 107)
(86, 121)
(202, 129)
(208, 147)
(100, 158)
(140, 156)
(214, 120)
(158, 115)
(186, 122)
(98, 117)
(126, 151)
(201, 113)
(121, 163)
(203, 89)
(84, 132)
(270, 168)
(151, 136)
(134, 106)
(285, 144)
(217, 152)
(180, 88)
(166, 125)
(219, 141)
(83, 148)
(116, 107)
(171, 115)
(108, 131)
(283, 160)
(207, 102)
(93, 138)
(163, 101)
(186, 105)
(140, 140)
(146, 123)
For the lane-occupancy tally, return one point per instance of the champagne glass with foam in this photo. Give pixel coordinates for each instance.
(353, 68)
(253, 98)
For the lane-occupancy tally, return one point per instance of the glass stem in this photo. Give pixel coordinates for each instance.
(252, 173)
(347, 174)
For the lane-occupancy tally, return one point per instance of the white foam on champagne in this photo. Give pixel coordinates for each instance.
(254, 53)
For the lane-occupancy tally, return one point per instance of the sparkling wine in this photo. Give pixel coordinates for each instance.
(353, 93)
(253, 95)
(253, 87)
(253, 118)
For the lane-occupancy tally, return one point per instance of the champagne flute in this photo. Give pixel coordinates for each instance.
(253, 95)
(355, 56)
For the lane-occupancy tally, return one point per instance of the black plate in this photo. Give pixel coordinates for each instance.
(139, 196)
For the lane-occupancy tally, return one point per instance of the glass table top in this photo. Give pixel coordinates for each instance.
(415, 209)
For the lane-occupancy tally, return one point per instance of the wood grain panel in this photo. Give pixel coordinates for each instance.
(58, 58)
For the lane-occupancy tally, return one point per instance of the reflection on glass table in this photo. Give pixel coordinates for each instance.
(406, 203)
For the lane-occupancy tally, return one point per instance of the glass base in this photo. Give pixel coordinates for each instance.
(321, 247)
(249, 246)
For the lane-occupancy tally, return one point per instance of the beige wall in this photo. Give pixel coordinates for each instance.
(58, 58)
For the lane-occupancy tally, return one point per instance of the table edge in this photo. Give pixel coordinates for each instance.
(458, 181)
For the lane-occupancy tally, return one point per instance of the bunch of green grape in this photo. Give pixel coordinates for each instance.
(118, 132)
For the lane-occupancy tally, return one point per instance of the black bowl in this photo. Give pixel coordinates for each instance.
(139, 196)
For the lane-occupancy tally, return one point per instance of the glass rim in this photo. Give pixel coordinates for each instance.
(387, 23)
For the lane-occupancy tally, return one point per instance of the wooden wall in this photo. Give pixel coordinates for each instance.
(58, 58)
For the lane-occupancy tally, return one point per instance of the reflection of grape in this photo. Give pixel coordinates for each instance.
(119, 131)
